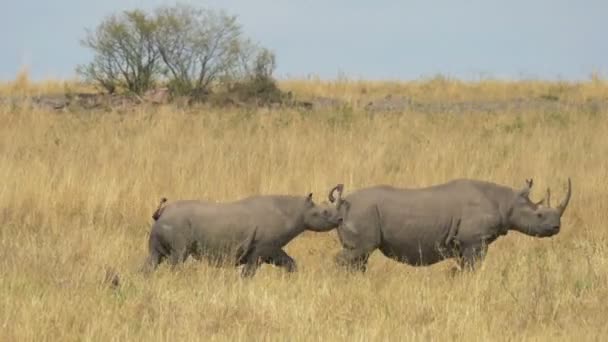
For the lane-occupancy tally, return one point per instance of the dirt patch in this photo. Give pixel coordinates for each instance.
(243, 97)
(542, 104)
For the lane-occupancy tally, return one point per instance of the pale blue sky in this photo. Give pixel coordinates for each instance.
(382, 39)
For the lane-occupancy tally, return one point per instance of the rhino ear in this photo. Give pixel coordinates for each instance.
(525, 191)
(309, 197)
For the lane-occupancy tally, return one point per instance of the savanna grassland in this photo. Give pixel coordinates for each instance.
(78, 189)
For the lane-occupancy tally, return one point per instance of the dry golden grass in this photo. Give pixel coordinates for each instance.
(437, 88)
(440, 88)
(78, 191)
(22, 85)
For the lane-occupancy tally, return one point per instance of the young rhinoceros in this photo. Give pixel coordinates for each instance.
(423, 226)
(248, 231)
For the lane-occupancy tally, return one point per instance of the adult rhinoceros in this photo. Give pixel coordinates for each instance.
(423, 226)
(248, 231)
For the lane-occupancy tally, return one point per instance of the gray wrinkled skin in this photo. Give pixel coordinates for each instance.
(246, 232)
(423, 226)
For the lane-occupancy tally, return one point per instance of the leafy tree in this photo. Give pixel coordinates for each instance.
(192, 48)
(197, 46)
(125, 53)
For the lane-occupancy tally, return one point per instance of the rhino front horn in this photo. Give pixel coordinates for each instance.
(562, 206)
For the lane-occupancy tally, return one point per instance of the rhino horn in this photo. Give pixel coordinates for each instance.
(545, 201)
(339, 188)
(562, 206)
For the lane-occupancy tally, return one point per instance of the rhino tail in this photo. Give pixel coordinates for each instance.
(159, 210)
(246, 248)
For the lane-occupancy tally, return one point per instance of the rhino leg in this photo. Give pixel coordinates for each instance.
(177, 256)
(245, 248)
(471, 256)
(360, 236)
(252, 264)
(353, 259)
(157, 253)
(259, 254)
(282, 259)
(179, 252)
(151, 263)
(472, 240)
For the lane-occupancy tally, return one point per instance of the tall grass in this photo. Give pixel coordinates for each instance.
(78, 190)
(440, 88)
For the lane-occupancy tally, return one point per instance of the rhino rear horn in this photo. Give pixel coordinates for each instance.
(562, 206)
(545, 201)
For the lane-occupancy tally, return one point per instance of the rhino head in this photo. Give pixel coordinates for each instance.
(537, 218)
(320, 217)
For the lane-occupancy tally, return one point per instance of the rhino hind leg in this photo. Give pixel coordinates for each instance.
(360, 236)
(151, 262)
(283, 260)
(157, 253)
(178, 256)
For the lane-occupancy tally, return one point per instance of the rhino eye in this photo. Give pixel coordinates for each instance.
(540, 215)
(325, 212)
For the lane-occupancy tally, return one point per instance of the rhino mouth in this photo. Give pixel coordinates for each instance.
(549, 232)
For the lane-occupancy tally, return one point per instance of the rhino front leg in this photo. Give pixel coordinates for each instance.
(252, 264)
(472, 240)
(353, 259)
(472, 256)
(282, 259)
